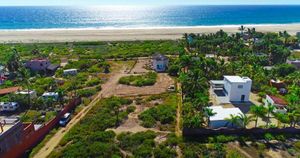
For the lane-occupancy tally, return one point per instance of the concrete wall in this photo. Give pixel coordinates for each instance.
(11, 137)
(33, 138)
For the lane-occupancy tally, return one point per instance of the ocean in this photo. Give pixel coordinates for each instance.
(144, 16)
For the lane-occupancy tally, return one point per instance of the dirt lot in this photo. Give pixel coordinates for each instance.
(132, 124)
(162, 84)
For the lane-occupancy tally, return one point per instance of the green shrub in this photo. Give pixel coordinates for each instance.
(139, 80)
(87, 92)
(130, 109)
(93, 82)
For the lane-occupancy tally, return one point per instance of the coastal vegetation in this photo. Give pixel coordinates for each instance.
(90, 133)
(163, 114)
(147, 79)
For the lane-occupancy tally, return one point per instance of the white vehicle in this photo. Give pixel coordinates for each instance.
(8, 106)
(65, 119)
(171, 88)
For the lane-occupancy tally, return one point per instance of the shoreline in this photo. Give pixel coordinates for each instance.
(127, 34)
(153, 28)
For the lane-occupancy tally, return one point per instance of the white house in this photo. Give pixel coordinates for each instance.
(50, 95)
(234, 88)
(279, 103)
(160, 62)
(8, 106)
(32, 93)
(70, 72)
(220, 119)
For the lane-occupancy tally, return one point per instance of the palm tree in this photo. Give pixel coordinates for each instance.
(13, 63)
(242, 29)
(257, 111)
(209, 113)
(61, 97)
(234, 120)
(25, 77)
(244, 120)
(270, 109)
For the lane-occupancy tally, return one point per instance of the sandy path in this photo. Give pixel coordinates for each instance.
(54, 141)
(69, 35)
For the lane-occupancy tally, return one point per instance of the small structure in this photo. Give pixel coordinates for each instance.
(279, 103)
(232, 88)
(160, 62)
(277, 84)
(50, 95)
(295, 62)
(220, 119)
(71, 72)
(11, 133)
(8, 106)
(51, 69)
(32, 93)
(9, 90)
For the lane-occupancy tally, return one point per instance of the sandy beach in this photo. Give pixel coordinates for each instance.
(72, 35)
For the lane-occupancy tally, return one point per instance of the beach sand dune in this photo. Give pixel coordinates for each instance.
(75, 35)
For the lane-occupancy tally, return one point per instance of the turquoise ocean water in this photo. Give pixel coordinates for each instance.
(142, 16)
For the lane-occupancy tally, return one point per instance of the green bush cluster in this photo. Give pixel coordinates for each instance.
(142, 145)
(90, 135)
(87, 92)
(93, 82)
(164, 113)
(139, 80)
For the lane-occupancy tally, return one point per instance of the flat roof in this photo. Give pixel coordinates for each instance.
(9, 90)
(223, 113)
(217, 81)
(236, 79)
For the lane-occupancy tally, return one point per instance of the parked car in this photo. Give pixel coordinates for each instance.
(65, 119)
(8, 106)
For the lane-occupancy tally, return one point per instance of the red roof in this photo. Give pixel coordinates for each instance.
(9, 90)
(278, 100)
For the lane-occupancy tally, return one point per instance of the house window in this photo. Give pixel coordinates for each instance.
(240, 86)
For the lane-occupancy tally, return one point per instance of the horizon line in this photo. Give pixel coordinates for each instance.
(145, 5)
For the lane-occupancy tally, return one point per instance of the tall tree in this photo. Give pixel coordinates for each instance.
(25, 77)
(244, 120)
(209, 113)
(242, 29)
(13, 63)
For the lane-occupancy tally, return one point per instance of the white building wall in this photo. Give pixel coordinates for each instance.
(235, 93)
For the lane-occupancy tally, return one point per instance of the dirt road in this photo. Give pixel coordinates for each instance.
(54, 141)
